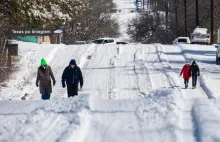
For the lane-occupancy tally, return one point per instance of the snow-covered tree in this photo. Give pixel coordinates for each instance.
(46, 13)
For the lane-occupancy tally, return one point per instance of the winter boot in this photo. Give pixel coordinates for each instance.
(186, 85)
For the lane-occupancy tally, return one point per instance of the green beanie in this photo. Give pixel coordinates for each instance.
(43, 62)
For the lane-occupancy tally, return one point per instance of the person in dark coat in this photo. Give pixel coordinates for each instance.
(194, 68)
(71, 78)
(186, 73)
(44, 76)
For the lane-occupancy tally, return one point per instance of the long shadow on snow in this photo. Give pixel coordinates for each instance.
(207, 53)
(194, 52)
(107, 68)
(100, 68)
(202, 69)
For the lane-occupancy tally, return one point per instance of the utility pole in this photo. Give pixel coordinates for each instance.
(185, 19)
(148, 4)
(143, 4)
(197, 13)
(177, 21)
(166, 9)
(212, 21)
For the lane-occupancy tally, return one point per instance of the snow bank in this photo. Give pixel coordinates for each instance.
(207, 118)
(55, 120)
(142, 73)
(153, 118)
(88, 119)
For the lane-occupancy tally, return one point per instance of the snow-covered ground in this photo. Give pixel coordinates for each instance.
(132, 93)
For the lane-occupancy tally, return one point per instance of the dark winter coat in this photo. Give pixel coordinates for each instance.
(72, 76)
(186, 71)
(44, 77)
(195, 69)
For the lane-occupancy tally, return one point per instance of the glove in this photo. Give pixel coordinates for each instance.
(37, 84)
(63, 84)
(81, 86)
(198, 74)
(54, 82)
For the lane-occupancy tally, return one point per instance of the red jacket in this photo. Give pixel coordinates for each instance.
(186, 71)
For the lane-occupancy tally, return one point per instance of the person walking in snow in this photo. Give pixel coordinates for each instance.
(72, 75)
(194, 68)
(186, 73)
(43, 80)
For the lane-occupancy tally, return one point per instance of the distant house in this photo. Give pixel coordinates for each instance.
(33, 39)
(57, 37)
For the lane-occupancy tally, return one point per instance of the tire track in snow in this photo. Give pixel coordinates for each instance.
(170, 78)
(126, 80)
(162, 67)
(98, 74)
(144, 83)
(165, 67)
(112, 74)
(183, 108)
(187, 115)
(91, 53)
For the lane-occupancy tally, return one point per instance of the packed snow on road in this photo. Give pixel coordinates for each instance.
(131, 93)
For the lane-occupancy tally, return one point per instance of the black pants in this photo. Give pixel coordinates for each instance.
(186, 81)
(194, 80)
(45, 96)
(72, 90)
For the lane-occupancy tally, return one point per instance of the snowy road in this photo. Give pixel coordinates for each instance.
(132, 90)
(131, 93)
(125, 13)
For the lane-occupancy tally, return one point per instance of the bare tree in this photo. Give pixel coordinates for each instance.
(176, 19)
(95, 22)
(5, 22)
(150, 28)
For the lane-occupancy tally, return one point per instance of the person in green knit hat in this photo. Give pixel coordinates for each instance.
(43, 80)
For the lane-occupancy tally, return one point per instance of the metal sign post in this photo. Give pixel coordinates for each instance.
(218, 35)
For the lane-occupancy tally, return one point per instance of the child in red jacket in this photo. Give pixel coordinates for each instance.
(186, 73)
